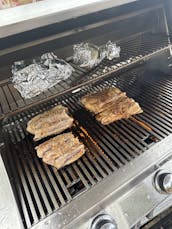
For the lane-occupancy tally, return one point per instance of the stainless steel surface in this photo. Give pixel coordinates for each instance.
(163, 181)
(103, 221)
(162, 220)
(164, 205)
(167, 183)
(114, 195)
(143, 197)
(9, 214)
(31, 16)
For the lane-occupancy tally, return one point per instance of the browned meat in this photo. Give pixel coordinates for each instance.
(61, 150)
(98, 101)
(110, 105)
(50, 122)
(119, 110)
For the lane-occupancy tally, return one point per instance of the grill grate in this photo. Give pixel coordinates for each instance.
(132, 49)
(41, 189)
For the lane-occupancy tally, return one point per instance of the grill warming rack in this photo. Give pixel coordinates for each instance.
(41, 189)
(134, 49)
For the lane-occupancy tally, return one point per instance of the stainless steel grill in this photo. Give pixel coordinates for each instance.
(41, 189)
(123, 159)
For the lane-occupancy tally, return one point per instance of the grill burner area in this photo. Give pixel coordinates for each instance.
(41, 189)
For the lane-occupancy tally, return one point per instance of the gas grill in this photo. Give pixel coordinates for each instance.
(124, 179)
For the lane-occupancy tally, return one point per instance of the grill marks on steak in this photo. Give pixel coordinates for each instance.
(122, 110)
(98, 101)
(108, 105)
(50, 122)
(61, 150)
(111, 105)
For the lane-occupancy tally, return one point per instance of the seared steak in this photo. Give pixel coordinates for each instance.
(110, 105)
(50, 122)
(61, 150)
(98, 101)
(119, 110)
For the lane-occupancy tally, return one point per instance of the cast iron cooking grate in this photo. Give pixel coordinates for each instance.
(41, 189)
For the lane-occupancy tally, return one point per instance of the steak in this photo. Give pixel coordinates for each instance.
(111, 104)
(98, 101)
(50, 122)
(61, 150)
(119, 110)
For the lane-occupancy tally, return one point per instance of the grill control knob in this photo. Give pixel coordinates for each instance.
(103, 221)
(163, 182)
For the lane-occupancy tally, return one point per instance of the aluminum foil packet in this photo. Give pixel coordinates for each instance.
(86, 55)
(89, 55)
(110, 51)
(33, 77)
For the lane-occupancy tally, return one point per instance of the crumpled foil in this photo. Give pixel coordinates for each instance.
(89, 55)
(86, 55)
(110, 51)
(31, 78)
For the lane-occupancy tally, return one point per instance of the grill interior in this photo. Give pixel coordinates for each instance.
(133, 50)
(41, 189)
